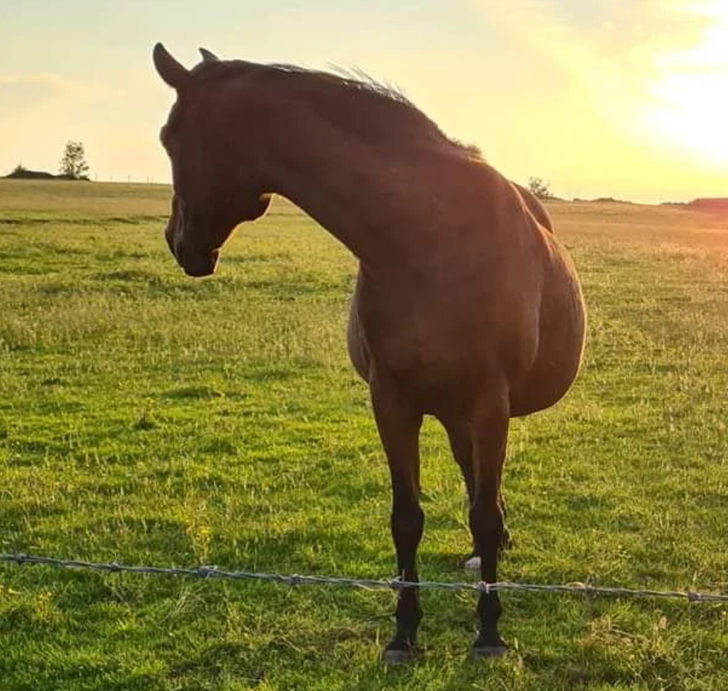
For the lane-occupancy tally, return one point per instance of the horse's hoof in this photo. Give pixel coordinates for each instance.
(489, 651)
(472, 563)
(399, 656)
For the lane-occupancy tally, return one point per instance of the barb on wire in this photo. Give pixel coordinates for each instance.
(209, 572)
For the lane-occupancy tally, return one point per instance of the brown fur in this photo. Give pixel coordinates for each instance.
(466, 305)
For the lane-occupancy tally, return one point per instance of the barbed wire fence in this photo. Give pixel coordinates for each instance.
(213, 572)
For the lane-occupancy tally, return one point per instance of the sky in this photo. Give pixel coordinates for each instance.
(618, 98)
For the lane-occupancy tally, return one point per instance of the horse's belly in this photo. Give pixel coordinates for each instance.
(545, 385)
(558, 358)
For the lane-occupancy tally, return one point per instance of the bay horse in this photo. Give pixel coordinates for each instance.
(466, 306)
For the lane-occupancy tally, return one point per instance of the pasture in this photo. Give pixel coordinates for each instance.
(150, 418)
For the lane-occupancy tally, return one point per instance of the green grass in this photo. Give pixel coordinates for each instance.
(149, 418)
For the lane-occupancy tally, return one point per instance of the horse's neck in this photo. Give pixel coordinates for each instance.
(338, 181)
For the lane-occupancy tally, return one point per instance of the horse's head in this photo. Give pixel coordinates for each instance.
(215, 184)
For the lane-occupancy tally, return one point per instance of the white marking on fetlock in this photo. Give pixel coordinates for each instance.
(473, 563)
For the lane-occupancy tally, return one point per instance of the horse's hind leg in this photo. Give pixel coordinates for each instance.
(461, 444)
(358, 353)
(462, 450)
(399, 428)
(490, 431)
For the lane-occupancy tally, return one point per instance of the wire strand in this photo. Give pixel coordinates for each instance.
(213, 572)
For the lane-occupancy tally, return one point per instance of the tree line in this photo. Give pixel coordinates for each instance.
(73, 165)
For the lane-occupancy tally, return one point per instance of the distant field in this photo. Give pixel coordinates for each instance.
(149, 418)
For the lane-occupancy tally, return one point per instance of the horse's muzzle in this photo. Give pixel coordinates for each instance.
(194, 262)
(197, 264)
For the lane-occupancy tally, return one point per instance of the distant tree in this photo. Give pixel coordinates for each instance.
(19, 169)
(73, 163)
(540, 188)
(473, 150)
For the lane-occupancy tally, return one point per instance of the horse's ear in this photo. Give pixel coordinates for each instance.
(207, 56)
(171, 71)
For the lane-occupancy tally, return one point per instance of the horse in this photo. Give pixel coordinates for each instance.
(466, 306)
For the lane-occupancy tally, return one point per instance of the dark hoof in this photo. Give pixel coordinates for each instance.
(491, 645)
(489, 651)
(400, 652)
(397, 656)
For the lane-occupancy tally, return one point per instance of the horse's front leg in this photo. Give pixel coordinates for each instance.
(399, 426)
(490, 431)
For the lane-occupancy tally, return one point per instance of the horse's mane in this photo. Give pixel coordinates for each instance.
(377, 113)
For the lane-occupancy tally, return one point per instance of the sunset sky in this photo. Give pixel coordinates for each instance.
(626, 98)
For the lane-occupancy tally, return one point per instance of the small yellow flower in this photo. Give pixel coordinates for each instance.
(200, 536)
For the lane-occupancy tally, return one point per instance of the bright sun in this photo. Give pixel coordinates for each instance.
(690, 106)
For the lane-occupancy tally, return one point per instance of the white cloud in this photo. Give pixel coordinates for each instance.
(18, 93)
(655, 71)
(613, 53)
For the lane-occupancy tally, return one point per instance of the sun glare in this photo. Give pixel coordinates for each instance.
(690, 97)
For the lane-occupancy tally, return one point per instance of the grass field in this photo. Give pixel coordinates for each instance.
(150, 418)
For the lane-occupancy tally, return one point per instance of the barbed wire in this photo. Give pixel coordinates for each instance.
(213, 572)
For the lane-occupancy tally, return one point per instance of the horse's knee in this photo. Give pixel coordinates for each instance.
(407, 526)
(488, 528)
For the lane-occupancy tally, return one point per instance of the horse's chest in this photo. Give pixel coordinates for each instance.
(417, 344)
